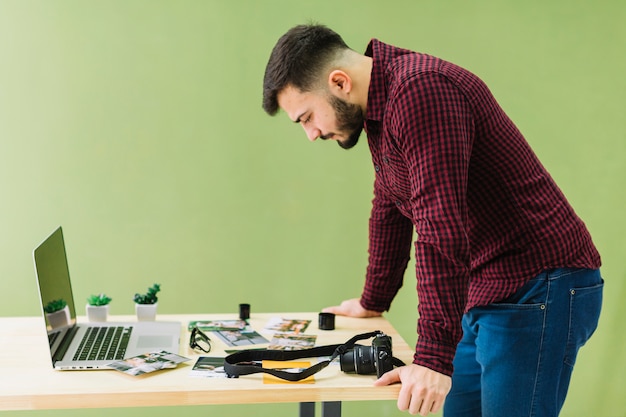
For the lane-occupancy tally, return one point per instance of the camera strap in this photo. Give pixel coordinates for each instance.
(249, 361)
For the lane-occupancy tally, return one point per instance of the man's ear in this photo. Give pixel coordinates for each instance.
(339, 83)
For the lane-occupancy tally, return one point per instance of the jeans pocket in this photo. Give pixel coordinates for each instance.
(585, 307)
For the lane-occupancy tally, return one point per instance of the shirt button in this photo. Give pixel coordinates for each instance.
(377, 168)
(386, 160)
(398, 203)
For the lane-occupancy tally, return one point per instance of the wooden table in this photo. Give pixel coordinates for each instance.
(28, 381)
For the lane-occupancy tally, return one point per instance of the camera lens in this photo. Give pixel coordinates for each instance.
(359, 360)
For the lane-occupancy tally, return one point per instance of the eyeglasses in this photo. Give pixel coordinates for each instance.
(199, 340)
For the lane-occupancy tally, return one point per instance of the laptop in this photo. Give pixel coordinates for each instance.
(87, 346)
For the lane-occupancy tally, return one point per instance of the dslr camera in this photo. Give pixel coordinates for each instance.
(367, 360)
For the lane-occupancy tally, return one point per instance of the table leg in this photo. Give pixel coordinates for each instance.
(331, 409)
(307, 409)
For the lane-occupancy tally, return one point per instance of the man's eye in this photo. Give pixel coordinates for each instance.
(307, 120)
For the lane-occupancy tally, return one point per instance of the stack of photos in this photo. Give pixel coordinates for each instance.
(240, 337)
(216, 325)
(292, 341)
(234, 333)
(148, 362)
(279, 324)
(289, 334)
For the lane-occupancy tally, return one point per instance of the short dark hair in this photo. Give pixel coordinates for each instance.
(298, 58)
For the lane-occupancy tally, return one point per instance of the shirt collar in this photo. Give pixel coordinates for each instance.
(377, 93)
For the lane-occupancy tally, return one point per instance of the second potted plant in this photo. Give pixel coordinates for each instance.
(98, 307)
(146, 304)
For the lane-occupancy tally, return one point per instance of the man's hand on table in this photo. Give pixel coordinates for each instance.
(352, 308)
(423, 390)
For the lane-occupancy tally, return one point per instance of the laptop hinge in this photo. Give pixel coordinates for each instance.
(64, 345)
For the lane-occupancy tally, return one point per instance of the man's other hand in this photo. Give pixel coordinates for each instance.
(352, 308)
(423, 390)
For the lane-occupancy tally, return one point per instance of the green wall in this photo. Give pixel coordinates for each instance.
(137, 126)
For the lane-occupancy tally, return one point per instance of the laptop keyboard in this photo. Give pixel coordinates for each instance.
(104, 343)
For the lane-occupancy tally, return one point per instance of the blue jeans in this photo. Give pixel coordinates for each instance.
(517, 356)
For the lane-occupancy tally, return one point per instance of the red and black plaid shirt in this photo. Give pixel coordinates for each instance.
(452, 165)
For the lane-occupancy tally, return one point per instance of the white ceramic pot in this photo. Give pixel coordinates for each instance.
(97, 313)
(146, 312)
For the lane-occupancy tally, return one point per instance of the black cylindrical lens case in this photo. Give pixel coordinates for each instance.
(244, 311)
(326, 321)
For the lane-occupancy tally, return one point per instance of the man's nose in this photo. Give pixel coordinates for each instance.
(312, 133)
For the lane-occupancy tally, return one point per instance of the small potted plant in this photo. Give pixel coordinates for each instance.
(57, 313)
(146, 304)
(98, 307)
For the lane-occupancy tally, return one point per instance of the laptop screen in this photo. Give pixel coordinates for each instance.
(55, 289)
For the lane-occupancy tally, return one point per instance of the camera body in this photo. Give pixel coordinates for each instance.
(366, 360)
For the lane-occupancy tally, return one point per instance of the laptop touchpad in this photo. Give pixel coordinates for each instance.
(153, 341)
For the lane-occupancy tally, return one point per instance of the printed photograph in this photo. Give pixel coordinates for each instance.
(148, 362)
(292, 341)
(283, 325)
(216, 325)
(209, 367)
(240, 338)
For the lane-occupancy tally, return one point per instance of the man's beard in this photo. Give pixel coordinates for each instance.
(350, 121)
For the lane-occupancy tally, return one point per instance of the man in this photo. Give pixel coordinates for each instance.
(508, 278)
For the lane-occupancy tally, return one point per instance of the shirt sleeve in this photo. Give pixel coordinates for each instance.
(433, 126)
(390, 235)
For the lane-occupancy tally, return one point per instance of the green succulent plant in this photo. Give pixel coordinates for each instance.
(149, 297)
(54, 306)
(99, 300)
